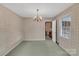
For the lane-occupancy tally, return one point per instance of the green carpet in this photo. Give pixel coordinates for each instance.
(37, 48)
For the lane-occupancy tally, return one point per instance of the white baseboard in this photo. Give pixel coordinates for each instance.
(70, 51)
(12, 47)
(34, 40)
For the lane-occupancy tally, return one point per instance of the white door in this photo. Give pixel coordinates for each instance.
(54, 31)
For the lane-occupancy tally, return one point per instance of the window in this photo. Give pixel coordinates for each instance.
(65, 26)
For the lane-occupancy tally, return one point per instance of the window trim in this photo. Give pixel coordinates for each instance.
(65, 18)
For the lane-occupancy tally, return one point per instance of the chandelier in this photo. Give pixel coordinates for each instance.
(37, 17)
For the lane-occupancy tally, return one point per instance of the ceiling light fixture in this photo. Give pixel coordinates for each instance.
(37, 17)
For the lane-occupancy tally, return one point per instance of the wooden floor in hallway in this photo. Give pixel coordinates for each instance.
(37, 48)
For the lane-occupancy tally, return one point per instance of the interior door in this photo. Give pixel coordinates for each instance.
(54, 31)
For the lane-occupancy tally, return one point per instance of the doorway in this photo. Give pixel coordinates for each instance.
(51, 30)
(48, 30)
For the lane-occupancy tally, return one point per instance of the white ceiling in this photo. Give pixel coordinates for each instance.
(45, 9)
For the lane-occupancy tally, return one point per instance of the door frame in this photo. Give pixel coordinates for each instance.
(55, 33)
(54, 30)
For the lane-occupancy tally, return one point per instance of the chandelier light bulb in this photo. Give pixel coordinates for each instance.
(37, 17)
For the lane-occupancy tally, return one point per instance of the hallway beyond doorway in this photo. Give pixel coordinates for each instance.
(48, 30)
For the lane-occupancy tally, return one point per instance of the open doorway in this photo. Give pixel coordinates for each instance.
(51, 30)
(48, 30)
